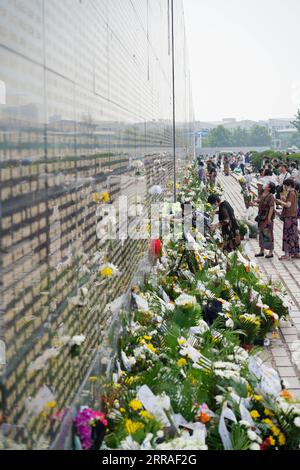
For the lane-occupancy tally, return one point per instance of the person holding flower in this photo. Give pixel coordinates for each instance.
(290, 239)
(227, 223)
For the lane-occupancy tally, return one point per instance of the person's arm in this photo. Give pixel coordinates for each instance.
(224, 219)
(286, 204)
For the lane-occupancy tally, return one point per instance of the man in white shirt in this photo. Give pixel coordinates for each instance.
(294, 172)
(283, 174)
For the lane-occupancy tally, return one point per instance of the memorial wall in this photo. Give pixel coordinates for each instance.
(86, 116)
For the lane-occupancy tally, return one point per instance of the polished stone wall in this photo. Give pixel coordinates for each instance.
(85, 92)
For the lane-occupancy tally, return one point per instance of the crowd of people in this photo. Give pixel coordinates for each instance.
(278, 188)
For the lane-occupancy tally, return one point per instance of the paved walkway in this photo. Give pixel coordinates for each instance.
(285, 350)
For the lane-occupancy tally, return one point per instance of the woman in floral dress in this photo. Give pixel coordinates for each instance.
(290, 239)
(265, 219)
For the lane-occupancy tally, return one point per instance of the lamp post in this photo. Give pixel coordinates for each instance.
(174, 96)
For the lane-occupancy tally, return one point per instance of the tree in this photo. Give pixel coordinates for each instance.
(296, 122)
(240, 137)
(259, 136)
(219, 137)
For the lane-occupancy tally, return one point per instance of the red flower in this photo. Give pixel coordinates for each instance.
(156, 248)
(266, 444)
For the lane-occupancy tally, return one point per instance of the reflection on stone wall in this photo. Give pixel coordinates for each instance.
(85, 92)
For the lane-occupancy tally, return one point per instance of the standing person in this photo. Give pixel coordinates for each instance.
(283, 175)
(265, 220)
(227, 223)
(212, 174)
(290, 239)
(269, 176)
(260, 182)
(226, 166)
(233, 163)
(242, 163)
(248, 178)
(201, 173)
(294, 171)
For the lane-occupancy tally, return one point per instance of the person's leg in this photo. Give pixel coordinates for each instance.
(285, 240)
(261, 244)
(271, 243)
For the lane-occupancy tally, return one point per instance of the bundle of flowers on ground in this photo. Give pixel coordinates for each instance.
(189, 374)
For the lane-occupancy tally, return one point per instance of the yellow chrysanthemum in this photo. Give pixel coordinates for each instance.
(268, 421)
(275, 430)
(106, 271)
(268, 412)
(257, 397)
(146, 415)
(129, 380)
(255, 414)
(281, 439)
(182, 362)
(122, 410)
(148, 338)
(105, 197)
(269, 312)
(151, 347)
(272, 441)
(135, 405)
(132, 427)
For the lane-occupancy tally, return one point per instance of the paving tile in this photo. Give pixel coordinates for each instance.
(286, 372)
(279, 352)
(293, 383)
(291, 338)
(283, 361)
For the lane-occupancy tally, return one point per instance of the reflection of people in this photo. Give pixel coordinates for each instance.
(266, 215)
(201, 173)
(227, 223)
(290, 239)
(226, 166)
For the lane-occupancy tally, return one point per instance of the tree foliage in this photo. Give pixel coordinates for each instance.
(296, 122)
(221, 137)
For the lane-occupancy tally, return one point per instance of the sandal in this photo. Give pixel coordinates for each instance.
(269, 256)
(284, 258)
(259, 255)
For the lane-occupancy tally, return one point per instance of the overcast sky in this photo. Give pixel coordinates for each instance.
(244, 57)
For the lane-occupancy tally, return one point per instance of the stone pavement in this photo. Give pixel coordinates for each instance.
(284, 350)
